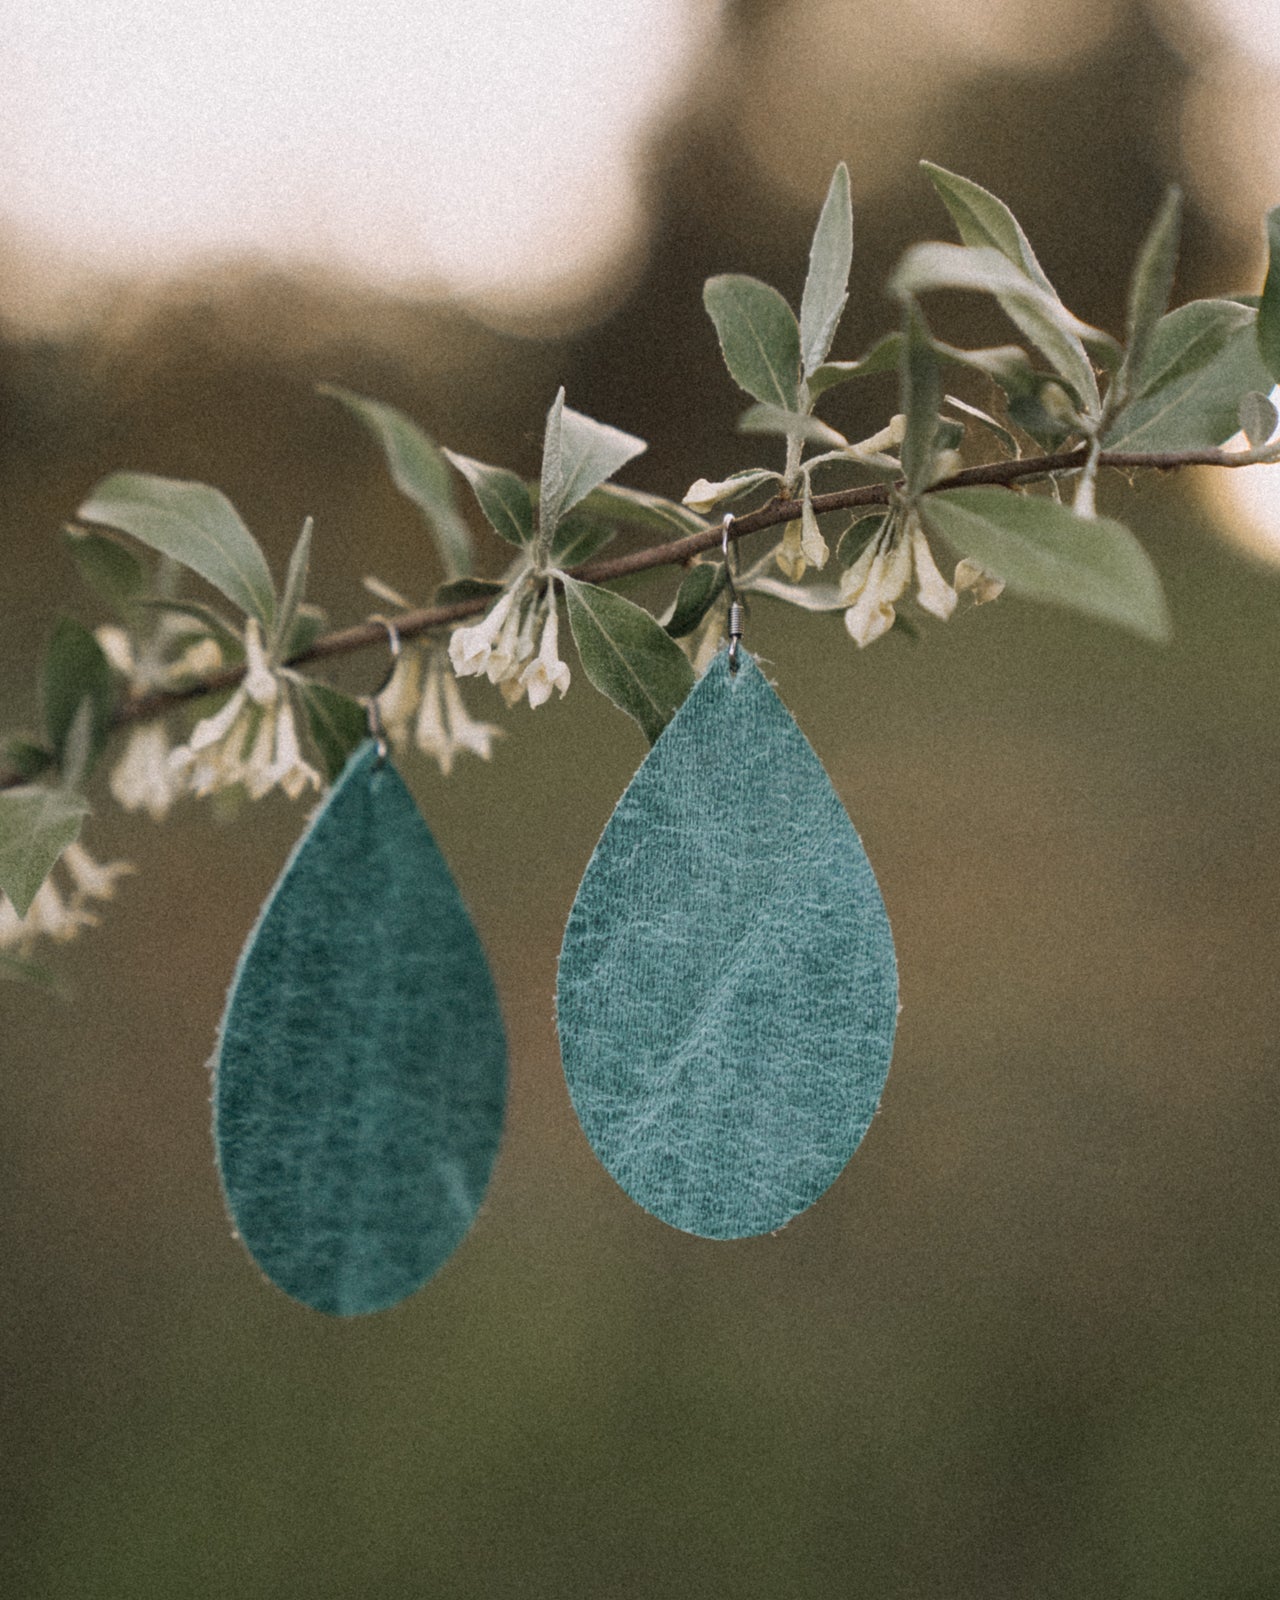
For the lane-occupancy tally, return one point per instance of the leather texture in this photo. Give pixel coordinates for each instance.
(361, 1071)
(728, 991)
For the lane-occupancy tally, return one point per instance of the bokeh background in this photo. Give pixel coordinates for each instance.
(1027, 1345)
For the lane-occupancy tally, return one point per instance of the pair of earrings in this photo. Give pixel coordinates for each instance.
(726, 1004)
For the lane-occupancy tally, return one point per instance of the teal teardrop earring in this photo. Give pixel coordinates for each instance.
(360, 1075)
(727, 993)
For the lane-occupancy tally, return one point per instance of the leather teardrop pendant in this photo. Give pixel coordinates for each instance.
(361, 1069)
(727, 994)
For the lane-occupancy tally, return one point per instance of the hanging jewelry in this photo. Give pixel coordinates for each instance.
(727, 992)
(360, 1076)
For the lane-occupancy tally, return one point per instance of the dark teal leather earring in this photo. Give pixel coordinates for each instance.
(360, 1075)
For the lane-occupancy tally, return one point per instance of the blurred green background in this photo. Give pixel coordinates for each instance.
(1027, 1345)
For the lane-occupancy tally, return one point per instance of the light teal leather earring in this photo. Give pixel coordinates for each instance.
(727, 994)
(360, 1075)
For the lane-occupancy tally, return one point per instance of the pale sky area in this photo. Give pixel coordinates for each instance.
(489, 149)
(487, 146)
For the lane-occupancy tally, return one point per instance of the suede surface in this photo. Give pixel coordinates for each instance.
(361, 1071)
(728, 990)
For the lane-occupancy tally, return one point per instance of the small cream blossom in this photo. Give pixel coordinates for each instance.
(444, 726)
(252, 740)
(976, 582)
(511, 648)
(547, 671)
(879, 577)
(465, 732)
(802, 545)
(470, 648)
(399, 701)
(59, 913)
(143, 779)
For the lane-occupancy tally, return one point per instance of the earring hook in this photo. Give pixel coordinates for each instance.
(376, 730)
(735, 603)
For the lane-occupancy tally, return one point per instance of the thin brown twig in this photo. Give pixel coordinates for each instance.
(411, 624)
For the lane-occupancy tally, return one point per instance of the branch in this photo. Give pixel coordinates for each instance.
(679, 552)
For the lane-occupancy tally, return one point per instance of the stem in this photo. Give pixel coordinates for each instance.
(412, 624)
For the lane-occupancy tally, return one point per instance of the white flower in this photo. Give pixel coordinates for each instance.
(547, 671)
(59, 914)
(879, 577)
(465, 732)
(252, 740)
(802, 545)
(976, 582)
(398, 703)
(143, 780)
(470, 648)
(116, 645)
(512, 646)
(430, 733)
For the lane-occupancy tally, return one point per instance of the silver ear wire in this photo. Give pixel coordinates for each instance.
(376, 730)
(735, 604)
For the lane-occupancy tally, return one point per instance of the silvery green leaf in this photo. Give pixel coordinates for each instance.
(921, 397)
(76, 673)
(36, 826)
(698, 592)
(1201, 359)
(809, 597)
(206, 619)
(858, 535)
(1258, 419)
(578, 538)
(417, 469)
(826, 286)
(983, 220)
(759, 338)
(635, 508)
(1054, 330)
(1150, 287)
(1044, 551)
(295, 586)
(468, 589)
(1269, 306)
(627, 655)
(336, 722)
(195, 525)
(501, 495)
(578, 455)
(703, 495)
(763, 418)
(111, 571)
(1002, 433)
(882, 357)
(26, 757)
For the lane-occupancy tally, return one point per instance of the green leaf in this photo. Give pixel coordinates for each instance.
(15, 970)
(1036, 311)
(1258, 419)
(627, 655)
(112, 572)
(578, 538)
(883, 356)
(1202, 359)
(36, 826)
(616, 503)
(1002, 433)
(826, 287)
(75, 671)
(808, 596)
(858, 535)
(759, 338)
(417, 469)
(25, 756)
(1044, 551)
(195, 525)
(578, 455)
(921, 397)
(1268, 330)
(983, 220)
(762, 418)
(336, 723)
(1151, 286)
(698, 592)
(295, 586)
(468, 589)
(502, 497)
